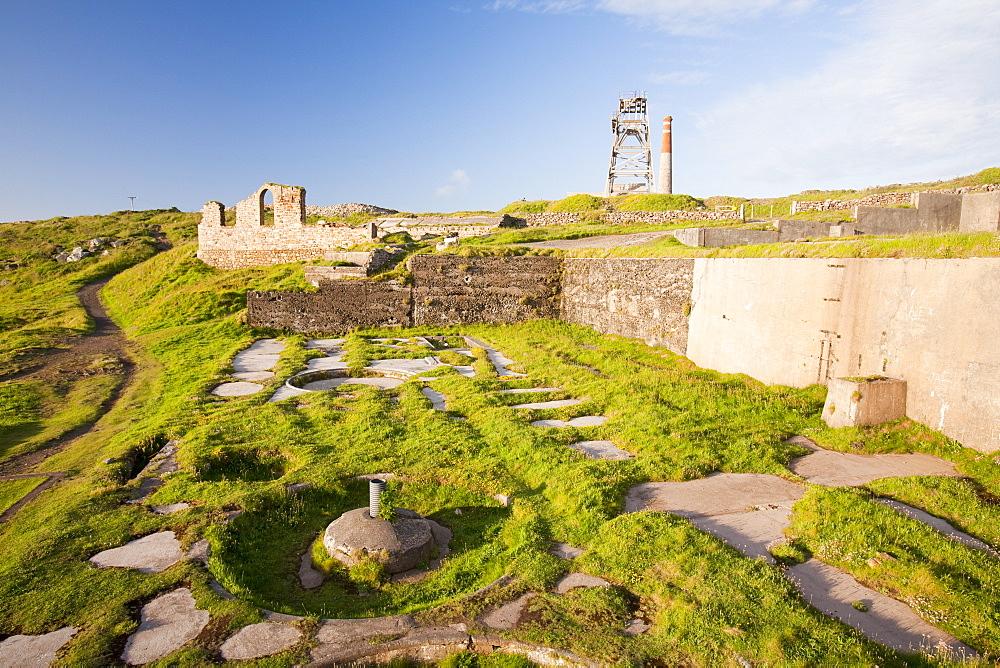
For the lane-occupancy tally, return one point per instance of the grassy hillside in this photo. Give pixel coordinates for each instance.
(707, 602)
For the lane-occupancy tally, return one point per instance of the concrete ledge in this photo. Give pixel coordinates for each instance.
(851, 402)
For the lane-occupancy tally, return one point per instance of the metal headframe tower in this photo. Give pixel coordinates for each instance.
(631, 167)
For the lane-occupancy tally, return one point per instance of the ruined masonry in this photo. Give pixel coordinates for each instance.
(254, 241)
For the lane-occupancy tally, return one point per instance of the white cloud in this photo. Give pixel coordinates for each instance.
(679, 78)
(918, 95)
(681, 17)
(458, 182)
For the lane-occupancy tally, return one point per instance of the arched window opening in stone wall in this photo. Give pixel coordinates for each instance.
(266, 207)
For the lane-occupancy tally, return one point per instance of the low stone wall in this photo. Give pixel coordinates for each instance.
(637, 298)
(341, 307)
(620, 217)
(878, 199)
(448, 290)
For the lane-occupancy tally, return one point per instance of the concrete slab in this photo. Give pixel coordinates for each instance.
(585, 421)
(331, 383)
(34, 651)
(324, 344)
(887, 620)
(150, 554)
(717, 494)
(841, 469)
(286, 392)
(467, 371)
(437, 399)
(531, 390)
(257, 640)
(252, 375)
(507, 616)
(309, 577)
(325, 363)
(565, 551)
(170, 508)
(252, 362)
(405, 367)
(939, 525)
(541, 405)
(601, 450)
(237, 389)
(200, 550)
(574, 580)
(168, 623)
(636, 627)
(264, 346)
(749, 532)
(497, 358)
(337, 631)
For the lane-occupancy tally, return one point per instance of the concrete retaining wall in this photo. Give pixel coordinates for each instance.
(638, 298)
(980, 213)
(803, 321)
(723, 236)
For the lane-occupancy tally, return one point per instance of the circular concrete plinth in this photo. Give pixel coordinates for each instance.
(399, 545)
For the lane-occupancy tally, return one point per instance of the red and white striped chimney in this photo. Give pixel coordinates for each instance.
(665, 183)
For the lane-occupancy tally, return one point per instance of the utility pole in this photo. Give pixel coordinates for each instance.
(132, 199)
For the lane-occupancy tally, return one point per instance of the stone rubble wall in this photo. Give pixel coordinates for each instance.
(884, 199)
(345, 210)
(446, 290)
(620, 217)
(494, 289)
(636, 298)
(238, 248)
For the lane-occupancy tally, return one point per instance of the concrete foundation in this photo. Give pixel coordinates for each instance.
(980, 212)
(852, 402)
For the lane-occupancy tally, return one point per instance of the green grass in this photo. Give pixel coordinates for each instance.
(656, 203)
(576, 203)
(12, 491)
(948, 245)
(706, 601)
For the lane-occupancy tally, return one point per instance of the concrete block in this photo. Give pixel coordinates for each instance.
(851, 402)
(938, 212)
(980, 212)
(790, 230)
(879, 220)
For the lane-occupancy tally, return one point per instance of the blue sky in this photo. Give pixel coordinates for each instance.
(423, 105)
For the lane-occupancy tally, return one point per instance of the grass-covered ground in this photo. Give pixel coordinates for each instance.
(708, 603)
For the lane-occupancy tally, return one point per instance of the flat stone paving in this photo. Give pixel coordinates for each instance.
(541, 405)
(601, 450)
(237, 389)
(497, 358)
(531, 390)
(565, 551)
(331, 383)
(887, 620)
(507, 616)
(336, 631)
(585, 421)
(942, 526)
(168, 623)
(257, 640)
(34, 651)
(436, 398)
(309, 577)
(575, 580)
(253, 363)
(150, 554)
(405, 367)
(717, 494)
(842, 469)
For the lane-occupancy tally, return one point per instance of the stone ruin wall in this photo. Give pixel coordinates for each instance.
(619, 217)
(446, 290)
(883, 199)
(251, 242)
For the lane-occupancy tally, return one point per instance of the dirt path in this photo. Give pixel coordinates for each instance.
(106, 340)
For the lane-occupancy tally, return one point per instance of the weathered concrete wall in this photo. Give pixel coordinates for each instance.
(790, 230)
(802, 321)
(449, 290)
(638, 298)
(341, 307)
(980, 213)
(934, 212)
(876, 220)
(714, 237)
